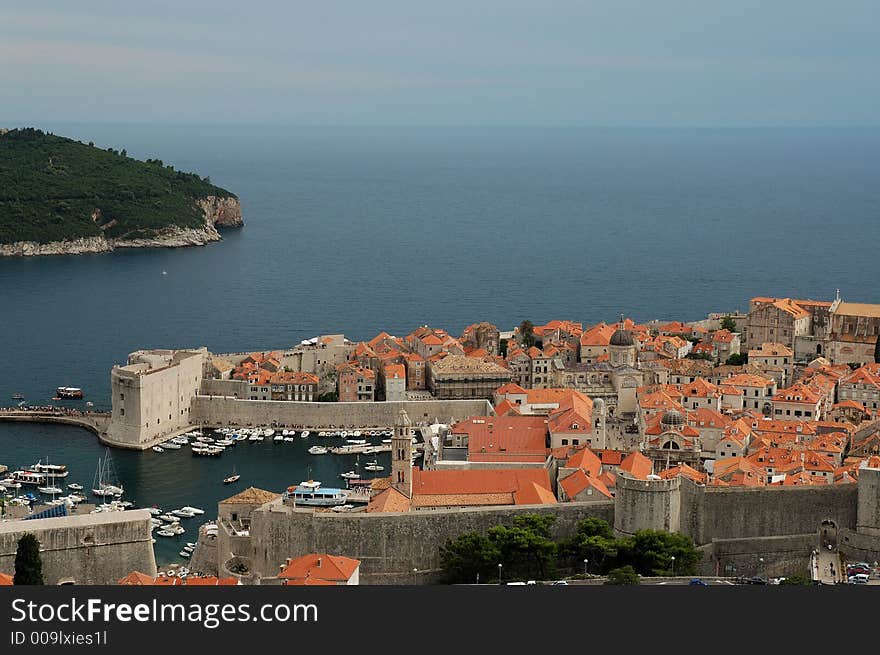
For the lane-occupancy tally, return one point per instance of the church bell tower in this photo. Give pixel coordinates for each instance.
(401, 455)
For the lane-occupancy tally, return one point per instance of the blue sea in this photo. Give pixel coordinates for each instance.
(357, 230)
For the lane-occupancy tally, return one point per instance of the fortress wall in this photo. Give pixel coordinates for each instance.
(224, 411)
(742, 512)
(783, 556)
(388, 545)
(88, 549)
(859, 547)
(643, 505)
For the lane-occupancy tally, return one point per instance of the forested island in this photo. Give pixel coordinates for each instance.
(60, 196)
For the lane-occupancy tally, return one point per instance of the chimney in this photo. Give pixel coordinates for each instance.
(319, 562)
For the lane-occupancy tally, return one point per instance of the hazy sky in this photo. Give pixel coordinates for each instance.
(473, 62)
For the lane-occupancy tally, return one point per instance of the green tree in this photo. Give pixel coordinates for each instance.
(471, 555)
(502, 347)
(727, 323)
(625, 575)
(593, 541)
(705, 356)
(651, 552)
(737, 359)
(525, 547)
(28, 564)
(527, 333)
(800, 579)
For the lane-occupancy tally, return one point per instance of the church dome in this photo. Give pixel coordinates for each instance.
(673, 418)
(622, 338)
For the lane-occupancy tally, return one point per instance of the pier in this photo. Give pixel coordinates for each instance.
(95, 422)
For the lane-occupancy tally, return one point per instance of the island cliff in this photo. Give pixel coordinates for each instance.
(59, 196)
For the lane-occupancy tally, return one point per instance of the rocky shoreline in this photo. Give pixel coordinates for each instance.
(219, 212)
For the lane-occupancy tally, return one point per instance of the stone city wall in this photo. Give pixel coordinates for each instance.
(216, 411)
(389, 545)
(85, 549)
(708, 514)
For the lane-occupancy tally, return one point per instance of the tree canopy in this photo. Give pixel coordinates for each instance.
(526, 549)
(53, 189)
(28, 563)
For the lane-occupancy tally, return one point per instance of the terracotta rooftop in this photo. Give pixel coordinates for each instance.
(251, 496)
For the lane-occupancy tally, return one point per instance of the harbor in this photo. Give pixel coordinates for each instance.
(176, 479)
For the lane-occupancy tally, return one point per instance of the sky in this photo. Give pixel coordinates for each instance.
(411, 62)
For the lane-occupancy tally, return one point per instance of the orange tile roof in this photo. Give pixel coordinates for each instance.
(389, 500)
(579, 481)
(685, 471)
(510, 387)
(637, 465)
(506, 408)
(598, 335)
(466, 482)
(319, 566)
(251, 496)
(504, 438)
(5, 580)
(284, 377)
(136, 578)
(585, 459)
(395, 371)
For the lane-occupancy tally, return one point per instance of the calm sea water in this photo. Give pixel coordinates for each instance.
(357, 230)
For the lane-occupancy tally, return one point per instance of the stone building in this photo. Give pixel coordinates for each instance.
(481, 336)
(458, 377)
(152, 394)
(853, 334)
(394, 378)
(774, 356)
(294, 386)
(356, 384)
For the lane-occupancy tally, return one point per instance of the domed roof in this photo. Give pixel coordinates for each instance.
(672, 417)
(622, 338)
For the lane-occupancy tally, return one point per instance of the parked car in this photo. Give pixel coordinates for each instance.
(563, 582)
(858, 578)
(853, 570)
(696, 582)
(757, 580)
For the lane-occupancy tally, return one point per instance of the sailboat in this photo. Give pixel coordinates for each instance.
(102, 485)
(232, 478)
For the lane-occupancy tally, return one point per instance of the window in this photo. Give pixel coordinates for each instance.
(565, 442)
(122, 411)
(121, 396)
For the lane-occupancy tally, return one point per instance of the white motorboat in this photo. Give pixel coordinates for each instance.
(305, 434)
(356, 442)
(156, 523)
(50, 490)
(386, 440)
(170, 445)
(164, 533)
(158, 449)
(9, 483)
(373, 466)
(51, 471)
(191, 544)
(278, 438)
(185, 553)
(317, 450)
(182, 513)
(155, 511)
(356, 433)
(268, 432)
(350, 475)
(235, 477)
(322, 434)
(180, 439)
(285, 433)
(75, 486)
(288, 438)
(168, 518)
(194, 510)
(343, 434)
(224, 443)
